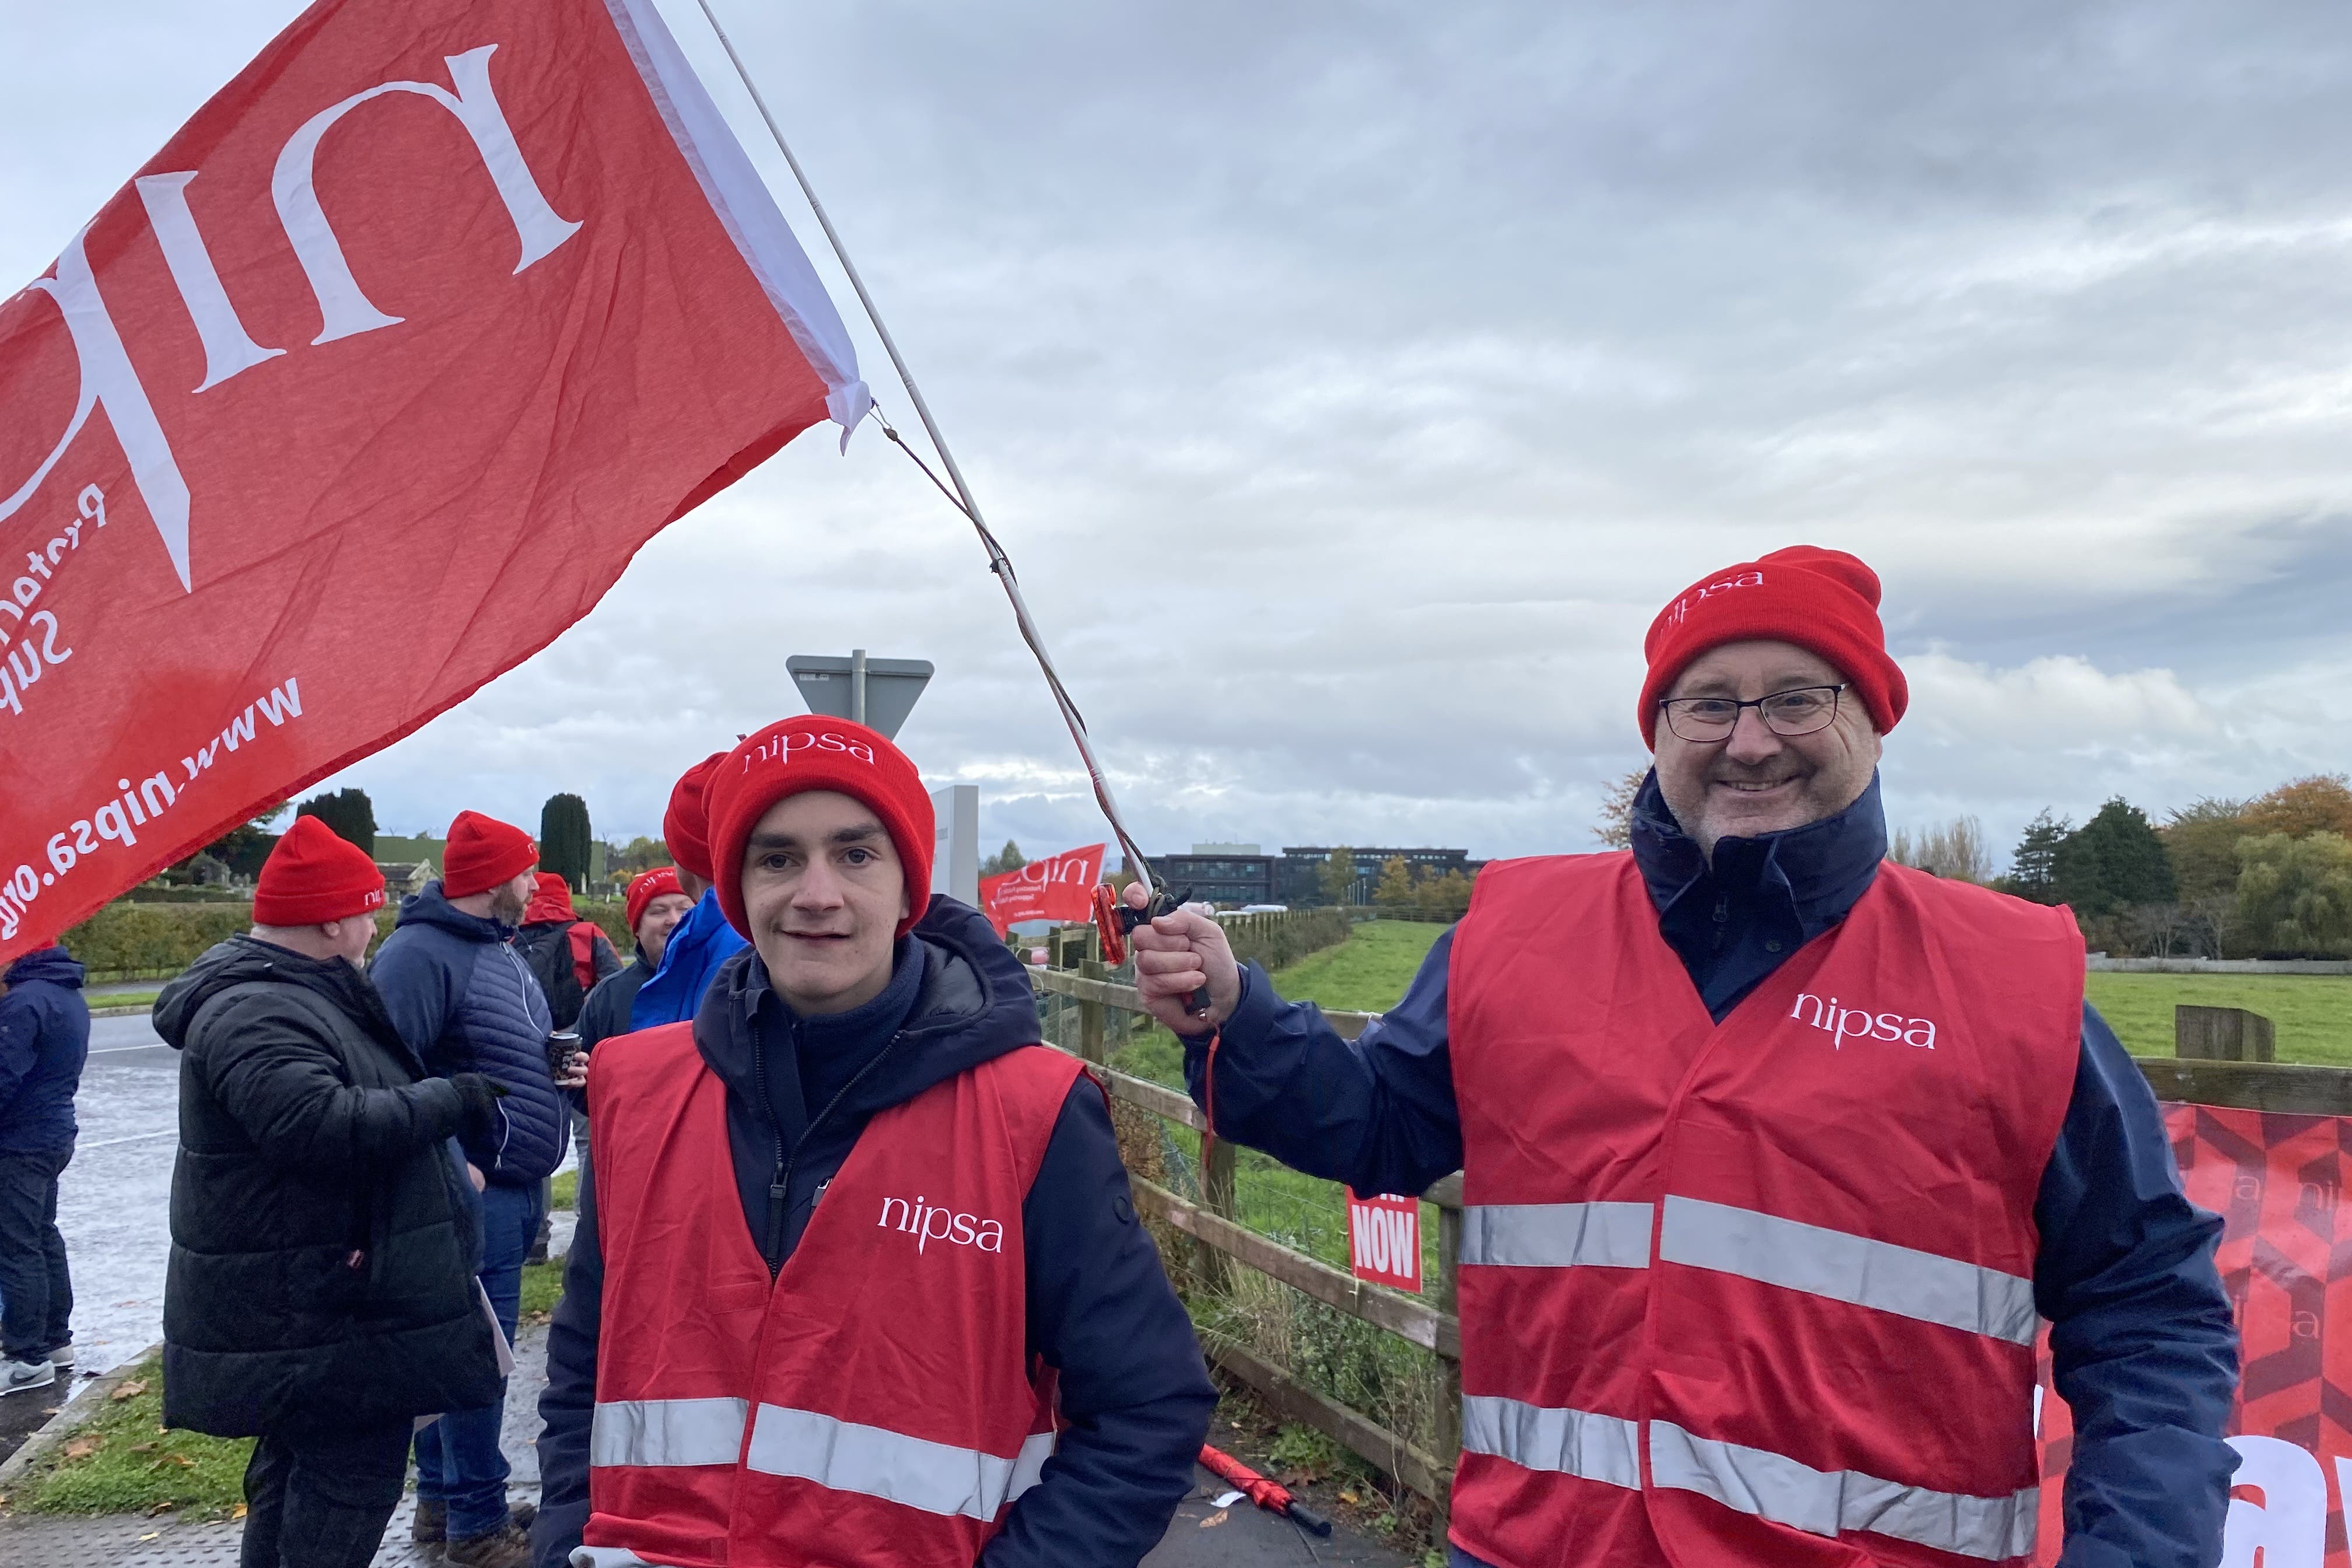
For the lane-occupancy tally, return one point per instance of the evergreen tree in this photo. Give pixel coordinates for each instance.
(348, 811)
(1394, 890)
(1338, 877)
(1008, 858)
(563, 838)
(2112, 863)
(2032, 873)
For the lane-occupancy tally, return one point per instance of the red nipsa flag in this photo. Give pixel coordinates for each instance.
(1058, 887)
(367, 385)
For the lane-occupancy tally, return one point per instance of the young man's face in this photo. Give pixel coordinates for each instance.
(823, 892)
(661, 918)
(1755, 781)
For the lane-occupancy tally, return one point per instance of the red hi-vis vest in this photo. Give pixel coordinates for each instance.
(873, 1403)
(1757, 1292)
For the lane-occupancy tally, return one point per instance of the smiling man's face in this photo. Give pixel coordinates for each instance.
(1758, 782)
(823, 892)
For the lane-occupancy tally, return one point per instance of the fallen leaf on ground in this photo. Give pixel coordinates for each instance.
(82, 1448)
(151, 1535)
(237, 1512)
(182, 1461)
(131, 1390)
(1216, 1518)
(1349, 1498)
(164, 1507)
(144, 1448)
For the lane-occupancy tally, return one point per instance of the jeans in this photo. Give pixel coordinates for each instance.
(325, 1495)
(35, 1290)
(458, 1462)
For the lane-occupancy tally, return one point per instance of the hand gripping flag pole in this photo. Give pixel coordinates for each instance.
(960, 496)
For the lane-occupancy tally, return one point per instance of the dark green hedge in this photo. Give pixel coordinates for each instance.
(127, 940)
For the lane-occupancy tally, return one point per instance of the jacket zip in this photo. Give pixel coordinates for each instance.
(780, 1183)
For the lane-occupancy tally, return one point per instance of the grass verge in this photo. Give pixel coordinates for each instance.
(123, 1461)
(1366, 974)
(565, 1194)
(542, 1287)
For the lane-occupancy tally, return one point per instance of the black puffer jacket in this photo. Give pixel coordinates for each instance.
(324, 1234)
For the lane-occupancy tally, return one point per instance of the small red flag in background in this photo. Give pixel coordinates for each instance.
(442, 307)
(1058, 887)
(1384, 1238)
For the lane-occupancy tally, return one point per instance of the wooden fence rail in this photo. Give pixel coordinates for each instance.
(1214, 1225)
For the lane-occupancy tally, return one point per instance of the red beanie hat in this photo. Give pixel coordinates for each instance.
(314, 875)
(802, 754)
(685, 826)
(482, 853)
(646, 887)
(1823, 601)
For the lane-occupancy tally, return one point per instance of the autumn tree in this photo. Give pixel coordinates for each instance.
(1395, 888)
(2202, 840)
(2320, 804)
(1338, 876)
(1615, 829)
(643, 854)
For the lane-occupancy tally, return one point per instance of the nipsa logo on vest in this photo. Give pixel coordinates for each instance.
(1842, 1023)
(956, 1229)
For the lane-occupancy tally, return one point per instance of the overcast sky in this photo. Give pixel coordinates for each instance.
(1351, 385)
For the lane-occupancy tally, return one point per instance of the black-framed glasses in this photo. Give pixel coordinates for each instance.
(1798, 711)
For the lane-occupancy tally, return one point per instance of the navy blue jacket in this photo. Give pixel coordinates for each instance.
(465, 1002)
(2145, 1350)
(44, 1041)
(1133, 1390)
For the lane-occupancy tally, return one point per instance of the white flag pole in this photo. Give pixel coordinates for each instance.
(998, 562)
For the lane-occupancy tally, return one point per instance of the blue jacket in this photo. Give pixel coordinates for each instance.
(465, 1002)
(2145, 1350)
(1133, 1390)
(698, 944)
(44, 1041)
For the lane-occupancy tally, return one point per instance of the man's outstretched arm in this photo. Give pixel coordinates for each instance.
(1376, 1112)
(2142, 1345)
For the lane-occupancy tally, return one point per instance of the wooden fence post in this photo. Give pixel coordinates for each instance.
(1090, 1015)
(2222, 1035)
(1448, 1443)
(1218, 1197)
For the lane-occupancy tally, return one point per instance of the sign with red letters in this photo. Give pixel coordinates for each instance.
(1058, 887)
(1384, 1238)
(2285, 1255)
(362, 390)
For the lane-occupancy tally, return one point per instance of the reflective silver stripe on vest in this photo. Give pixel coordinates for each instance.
(1557, 1236)
(1880, 1275)
(877, 1462)
(667, 1432)
(1538, 1437)
(1830, 1502)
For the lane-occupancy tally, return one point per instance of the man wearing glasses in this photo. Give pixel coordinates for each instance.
(1774, 1156)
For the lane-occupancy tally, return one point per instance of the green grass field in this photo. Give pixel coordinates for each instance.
(2311, 1012)
(1366, 974)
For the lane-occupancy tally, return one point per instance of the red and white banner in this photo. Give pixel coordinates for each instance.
(1058, 887)
(364, 388)
(2278, 1182)
(1384, 1238)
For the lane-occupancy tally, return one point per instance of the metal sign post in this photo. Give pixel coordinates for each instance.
(876, 692)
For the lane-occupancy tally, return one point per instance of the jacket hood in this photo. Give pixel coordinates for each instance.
(432, 908)
(242, 960)
(551, 902)
(51, 964)
(974, 1002)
